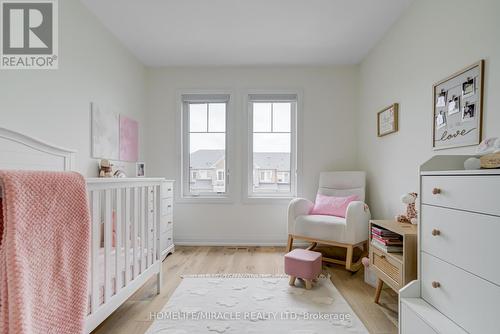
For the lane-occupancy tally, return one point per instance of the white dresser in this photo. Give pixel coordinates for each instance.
(167, 218)
(458, 290)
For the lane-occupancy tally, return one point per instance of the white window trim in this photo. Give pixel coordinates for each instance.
(181, 196)
(295, 178)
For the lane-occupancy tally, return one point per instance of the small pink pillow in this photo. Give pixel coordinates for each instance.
(331, 205)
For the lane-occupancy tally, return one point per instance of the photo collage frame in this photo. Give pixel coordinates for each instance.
(457, 112)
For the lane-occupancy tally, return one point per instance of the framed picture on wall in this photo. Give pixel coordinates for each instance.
(459, 122)
(387, 120)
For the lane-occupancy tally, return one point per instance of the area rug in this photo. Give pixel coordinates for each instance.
(240, 303)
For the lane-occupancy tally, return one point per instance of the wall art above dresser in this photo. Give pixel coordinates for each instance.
(458, 108)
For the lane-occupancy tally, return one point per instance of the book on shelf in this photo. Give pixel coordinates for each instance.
(387, 248)
(383, 232)
(388, 241)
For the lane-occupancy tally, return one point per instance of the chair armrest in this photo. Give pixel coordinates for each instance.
(297, 207)
(357, 217)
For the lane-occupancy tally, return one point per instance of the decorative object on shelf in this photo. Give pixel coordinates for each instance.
(105, 133)
(489, 150)
(457, 120)
(140, 169)
(490, 161)
(119, 173)
(411, 213)
(489, 145)
(387, 120)
(105, 168)
(129, 139)
(472, 163)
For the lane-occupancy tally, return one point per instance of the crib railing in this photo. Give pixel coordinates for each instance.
(125, 238)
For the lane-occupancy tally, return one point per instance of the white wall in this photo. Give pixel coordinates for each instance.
(329, 142)
(432, 40)
(54, 106)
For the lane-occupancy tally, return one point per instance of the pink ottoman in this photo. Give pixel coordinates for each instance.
(304, 264)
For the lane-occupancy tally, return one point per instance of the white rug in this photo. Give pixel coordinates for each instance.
(231, 304)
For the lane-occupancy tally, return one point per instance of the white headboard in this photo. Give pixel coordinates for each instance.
(18, 151)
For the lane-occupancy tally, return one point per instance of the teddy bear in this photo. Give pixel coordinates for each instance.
(105, 168)
(411, 212)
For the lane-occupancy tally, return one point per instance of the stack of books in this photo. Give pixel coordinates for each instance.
(386, 240)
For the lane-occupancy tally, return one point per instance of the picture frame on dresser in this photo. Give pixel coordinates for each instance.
(461, 123)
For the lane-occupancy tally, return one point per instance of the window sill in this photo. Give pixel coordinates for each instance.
(267, 200)
(204, 200)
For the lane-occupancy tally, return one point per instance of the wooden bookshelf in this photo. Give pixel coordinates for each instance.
(394, 269)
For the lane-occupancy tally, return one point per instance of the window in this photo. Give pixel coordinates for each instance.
(283, 177)
(266, 176)
(204, 144)
(272, 145)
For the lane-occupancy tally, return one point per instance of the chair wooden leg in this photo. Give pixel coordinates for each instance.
(292, 281)
(308, 284)
(348, 258)
(312, 246)
(290, 243)
(380, 285)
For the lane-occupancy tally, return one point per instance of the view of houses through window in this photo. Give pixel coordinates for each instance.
(271, 139)
(270, 135)
(207, 147)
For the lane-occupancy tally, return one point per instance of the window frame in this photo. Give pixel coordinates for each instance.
(295, 155)
(184, 98)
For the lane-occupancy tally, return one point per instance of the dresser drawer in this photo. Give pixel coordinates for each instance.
(470, 193)
(411, 323)
(166, 223)
(387, 267)
(167, 190)
(468, 300)
(464, 239)
(166, 240)
(167, 206)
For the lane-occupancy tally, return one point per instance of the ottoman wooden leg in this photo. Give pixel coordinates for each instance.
(308, 284)
(292, 281)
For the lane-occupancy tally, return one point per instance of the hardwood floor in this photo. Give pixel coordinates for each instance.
(133, 316)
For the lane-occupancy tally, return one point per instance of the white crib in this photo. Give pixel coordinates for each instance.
(125, 249)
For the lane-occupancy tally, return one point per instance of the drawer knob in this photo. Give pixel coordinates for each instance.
(169, 189)
(436, 285)
(436, 191)
(436, 232)
(382, 256)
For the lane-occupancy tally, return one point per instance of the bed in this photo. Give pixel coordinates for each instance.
(125, 249)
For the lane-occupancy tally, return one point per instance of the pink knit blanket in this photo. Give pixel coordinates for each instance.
(44, 252)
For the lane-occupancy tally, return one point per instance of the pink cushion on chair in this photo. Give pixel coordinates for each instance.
(331, 205)
(303, 263)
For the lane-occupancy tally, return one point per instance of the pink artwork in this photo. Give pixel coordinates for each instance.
(129, 139)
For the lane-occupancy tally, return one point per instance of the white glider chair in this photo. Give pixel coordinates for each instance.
(349, 232)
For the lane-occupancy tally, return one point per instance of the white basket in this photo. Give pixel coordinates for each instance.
(370, 277)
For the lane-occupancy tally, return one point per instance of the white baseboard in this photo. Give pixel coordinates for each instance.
(234, 243)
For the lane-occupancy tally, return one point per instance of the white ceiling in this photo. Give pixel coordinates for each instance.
(248, 32)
